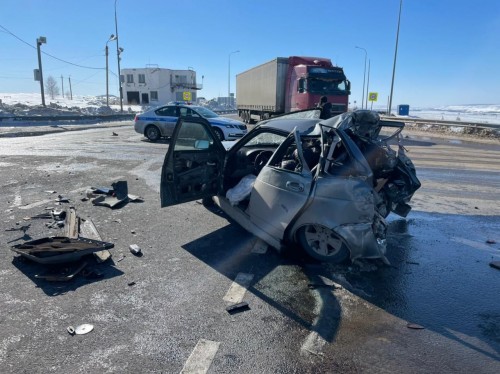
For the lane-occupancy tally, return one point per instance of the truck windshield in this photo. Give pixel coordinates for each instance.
(326, 86)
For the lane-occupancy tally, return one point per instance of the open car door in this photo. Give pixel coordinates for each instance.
(193, 164)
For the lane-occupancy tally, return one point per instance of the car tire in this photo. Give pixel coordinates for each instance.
(152, 133)
(322, 244)
(219, 133)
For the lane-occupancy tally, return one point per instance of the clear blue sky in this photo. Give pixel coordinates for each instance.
(449, 50)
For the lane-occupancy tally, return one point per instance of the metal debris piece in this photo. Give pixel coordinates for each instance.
(495, 264)
(135, 198)
(61, 199)
(135, 249)
(490, 241)
(50, 191)
(84, 329)
(63, 275)
(20, 228)
(71, 330)
(88, 230)
(59, 249)
(72, 223)
(42, 216)
(415, 326)
(131, 283)
(238, 308)
(121, 258)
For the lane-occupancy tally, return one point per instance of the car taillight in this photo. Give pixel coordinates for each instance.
(136, 118)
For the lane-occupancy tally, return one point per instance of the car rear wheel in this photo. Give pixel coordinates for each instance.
(152, 133)
(322, 244)
(219, 133)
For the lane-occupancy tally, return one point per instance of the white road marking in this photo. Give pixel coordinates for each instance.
(238, 288)
(313, 344)
(201, 358)
(259, 247)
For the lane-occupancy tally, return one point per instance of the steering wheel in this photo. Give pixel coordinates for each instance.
(261, 160)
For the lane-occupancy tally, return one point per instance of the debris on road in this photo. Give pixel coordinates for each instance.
(63, 274)
(491, 241)
(112, 197)
(238, 308)
(135, 249)
(72, 223)
(495, 264)
(88, 230)
(61, 199)
(415, 326)
(133, 283)
(80, 330)
(59, 249)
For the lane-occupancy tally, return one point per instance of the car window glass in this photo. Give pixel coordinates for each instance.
(191, 135)
(266, 138)
(166, 111)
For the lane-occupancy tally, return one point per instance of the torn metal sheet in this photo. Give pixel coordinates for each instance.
(109, 201)
(59, 249)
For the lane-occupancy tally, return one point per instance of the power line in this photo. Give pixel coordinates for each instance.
(48, 54)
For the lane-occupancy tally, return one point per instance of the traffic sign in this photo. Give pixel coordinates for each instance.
(186, 96)
(372, 96)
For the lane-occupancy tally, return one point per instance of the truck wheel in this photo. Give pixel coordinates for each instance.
(152, 133)
(322, 244)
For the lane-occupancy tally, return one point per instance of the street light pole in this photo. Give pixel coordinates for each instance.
(395, 56)
(118, 58)
(41, 40)
(229, 76)
(367, 86)
(111, 38)
(364, 77)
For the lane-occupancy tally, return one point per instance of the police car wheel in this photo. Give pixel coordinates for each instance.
(152, 133)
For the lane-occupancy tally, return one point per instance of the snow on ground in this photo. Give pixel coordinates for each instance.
(30, 104)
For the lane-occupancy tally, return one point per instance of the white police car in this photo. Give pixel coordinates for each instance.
(160, 122)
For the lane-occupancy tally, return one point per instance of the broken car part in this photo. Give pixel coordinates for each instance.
(135, 249)
(59, 249)
(63, 275)
(237, 308)
(327, 185)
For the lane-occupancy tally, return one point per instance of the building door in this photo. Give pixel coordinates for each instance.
(145, 98)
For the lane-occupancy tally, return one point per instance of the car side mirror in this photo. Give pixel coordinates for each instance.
(201, 144)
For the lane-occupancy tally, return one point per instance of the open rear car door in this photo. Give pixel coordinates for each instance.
(193, 164)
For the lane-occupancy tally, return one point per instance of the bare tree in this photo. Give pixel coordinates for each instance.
(51, 87)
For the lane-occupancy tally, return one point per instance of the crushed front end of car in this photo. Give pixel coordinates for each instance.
(361, 180)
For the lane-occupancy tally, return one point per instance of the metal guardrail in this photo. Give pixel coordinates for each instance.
(465, 123)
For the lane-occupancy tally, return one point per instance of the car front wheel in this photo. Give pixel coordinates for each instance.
(152, 133)
(219, 133)
(322, 244)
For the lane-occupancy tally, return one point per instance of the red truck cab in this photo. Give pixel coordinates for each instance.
(309, 78)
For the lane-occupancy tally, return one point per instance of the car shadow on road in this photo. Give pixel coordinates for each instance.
(294, 300)
(416, 287)
(90, 273)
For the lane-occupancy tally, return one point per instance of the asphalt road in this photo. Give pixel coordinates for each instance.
(165, 312)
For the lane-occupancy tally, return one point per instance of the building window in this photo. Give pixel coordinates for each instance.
(142, 78)
(154, 95)
(130, 78)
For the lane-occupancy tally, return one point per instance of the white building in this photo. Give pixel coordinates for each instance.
(157, 86)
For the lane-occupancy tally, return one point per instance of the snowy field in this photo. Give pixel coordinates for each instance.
(30, 104)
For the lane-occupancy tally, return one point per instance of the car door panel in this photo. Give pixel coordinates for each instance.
(279, 194)
(193, 163)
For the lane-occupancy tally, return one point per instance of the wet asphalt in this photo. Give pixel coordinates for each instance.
(439, 277)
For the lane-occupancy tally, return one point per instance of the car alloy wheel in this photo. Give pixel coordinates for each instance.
(322, 244)
(152, 133)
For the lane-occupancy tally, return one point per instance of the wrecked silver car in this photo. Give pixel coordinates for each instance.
(326, 185)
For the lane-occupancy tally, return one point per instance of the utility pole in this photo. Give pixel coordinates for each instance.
(395, 56)
(70, 90)
(41, 40)
(62, 85)
(367, 86)
(118, 51)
